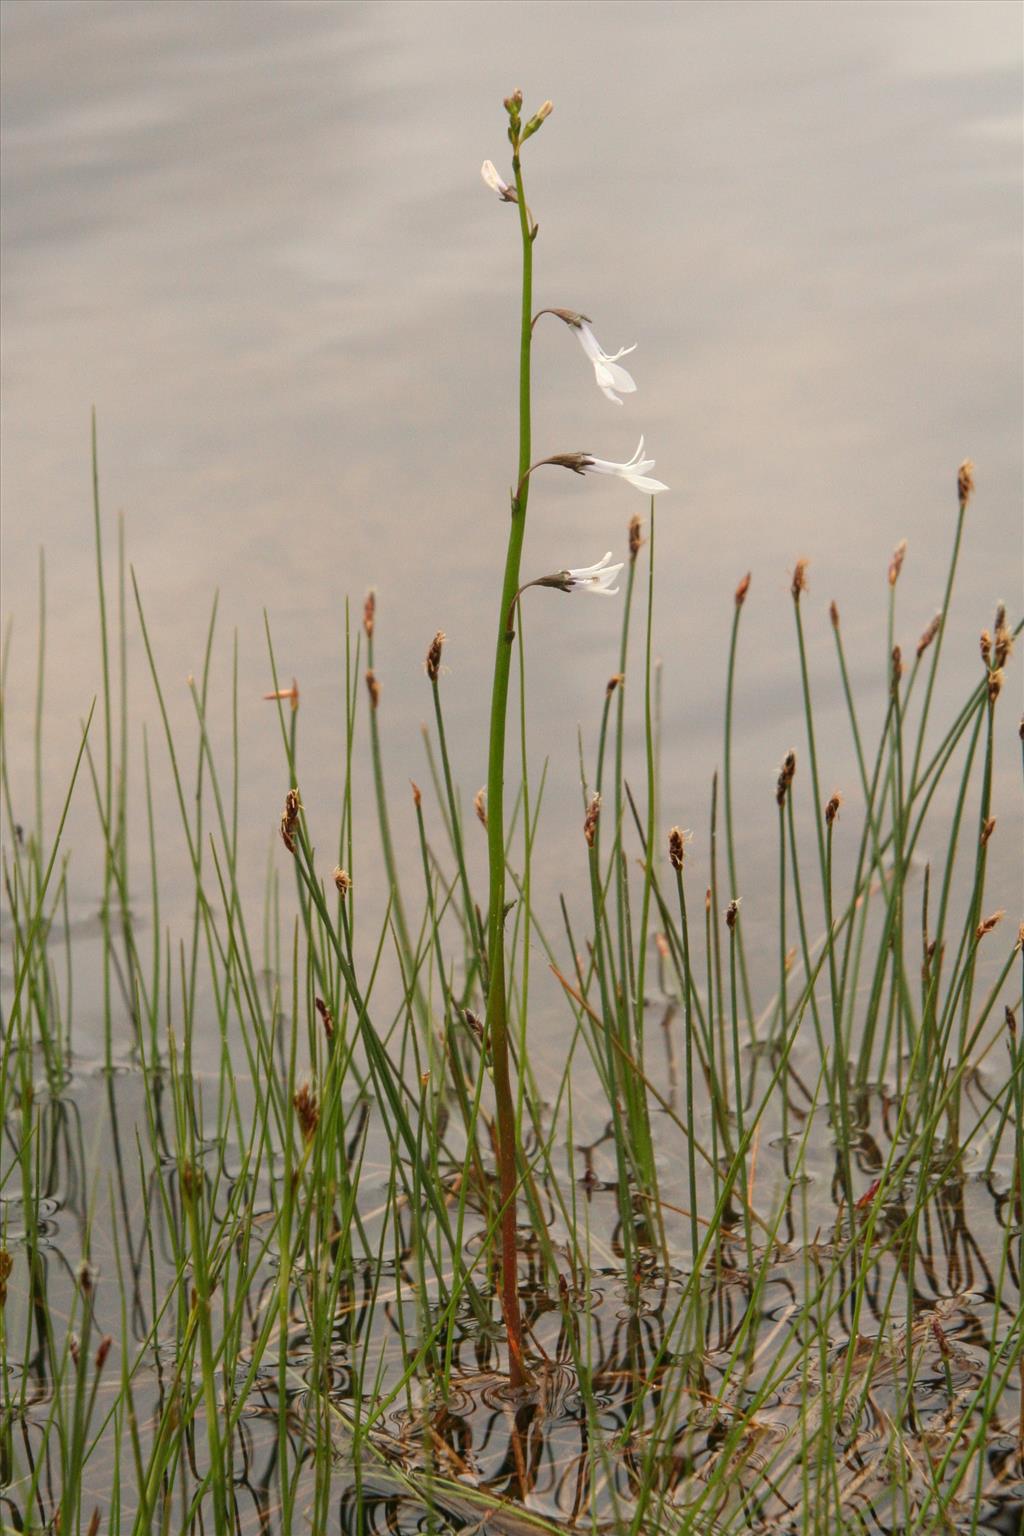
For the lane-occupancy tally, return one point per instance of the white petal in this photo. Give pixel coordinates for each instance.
(606, 390)
(591, 570)
(490, 175)
(589, 342)
(618, 378)
(642, 483)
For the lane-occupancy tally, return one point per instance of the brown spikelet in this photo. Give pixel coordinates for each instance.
(635, 537)
(985, 647)
(987, 830)
(785, 779)
(342, 881)
(326, 1017)
(732, 913)
(433, 662)
(833, 613)
(373, 688)
(6, 1265)
(707, 900)
(74, 1347)
(369, 612)
(995, 684)
(291, 694)
(590, 820)
(740, 595)
(988, 923)
(899, 554)
(896, 669)
(290, 819)
(86, 1274)
(1010, 1019)
(308, 1111)
(480, 806)
(102, 1351)
(615, 681)
(799, 582)
(928, 634)
(677, 840)
(1003, 643)
(965, 482)
(832, 808)
(417, 794)
(94, 1522)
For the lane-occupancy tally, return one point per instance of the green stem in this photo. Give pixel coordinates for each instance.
(497, 1002)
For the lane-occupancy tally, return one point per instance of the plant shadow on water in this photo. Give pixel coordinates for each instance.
(355, 1236)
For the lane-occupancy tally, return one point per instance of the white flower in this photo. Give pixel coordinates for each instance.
(634, 470)
(610, 377)
(593, 578)
(491, 178)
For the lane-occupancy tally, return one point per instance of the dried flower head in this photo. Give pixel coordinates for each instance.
(1003, 645)
(928, 634)
(307, 1109)
(785, 779)
(965, 482)
(635, 537)
(896, 670)
(373, 688)
(896, 563)
(369, 612)
(433, 662)
(732, 913)
(291, 694)
(590, 820)
(480, 806)
(988, 923)
(102, 1351)
(985, 647)
(86, 1275)
(613, 682)
(342, 881)
(290, 819)
(677, 841)
(799, 583)
(832, 808)
(995, 684)
(326, 1017)
(742, 590)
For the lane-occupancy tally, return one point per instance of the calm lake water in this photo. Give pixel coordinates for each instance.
(254, 237)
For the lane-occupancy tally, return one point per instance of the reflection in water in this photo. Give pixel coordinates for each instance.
(631, 1410)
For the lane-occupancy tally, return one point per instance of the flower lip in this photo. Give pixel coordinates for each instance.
(634, 471)
(609, 376)
(593, 578)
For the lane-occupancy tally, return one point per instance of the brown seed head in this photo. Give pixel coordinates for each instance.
(326, 1017)
(373, 688)
(987, 830)
(785, 779)
(896, 563)
(102, 1351)
(86, 1275)
(480, 806)
(732, 913)
(832, 808)
(1011, 1020)
(635, 536)
(369, 612)
(590, 820)
(985, 647)
(742, 590)
(433, 662)
(613, 683)
(995, 684)
(677, 841)
(1003, 646)
(290, 819)
(799, 583)
(74, 1347)
(896, 670)
(6, 1265)
(342, 881)
(417, 794)
(94, 1522)
(928, 634)
(965, 482)
(988, 923)
(833, 613)
(308, 1111)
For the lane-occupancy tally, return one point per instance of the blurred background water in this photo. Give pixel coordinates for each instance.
(254, 237)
